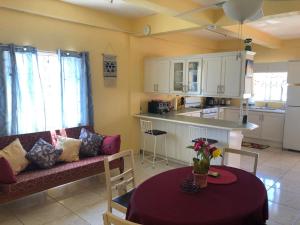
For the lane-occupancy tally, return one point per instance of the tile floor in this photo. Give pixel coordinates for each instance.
(83, 202)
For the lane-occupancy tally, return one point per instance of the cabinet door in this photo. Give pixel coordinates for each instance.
(256, 118)
(193, 76)
(232, 115)
(149, 76)
(211, 76)
(293, 71)
(163, 76)
(177, 76)
(231, 76)
(272, 126)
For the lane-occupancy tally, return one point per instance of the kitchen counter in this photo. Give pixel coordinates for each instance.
(258, 109)
(175, 117)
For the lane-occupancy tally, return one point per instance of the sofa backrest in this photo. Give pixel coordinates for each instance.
(27, 140)
(73, 132)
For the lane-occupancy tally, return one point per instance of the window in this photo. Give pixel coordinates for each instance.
(43, 91)
(270, 86)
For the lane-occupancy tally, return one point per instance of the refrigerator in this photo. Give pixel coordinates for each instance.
(291, 139)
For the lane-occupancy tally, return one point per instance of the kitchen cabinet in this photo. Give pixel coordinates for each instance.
(185, 76)
(256, 118)
(271, 125)
(231, 76)
(232, 115)
(222, 76)
(156, 76)
(211, 76)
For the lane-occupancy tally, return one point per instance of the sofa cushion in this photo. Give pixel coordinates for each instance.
(91, 143)
(59, 174)
(43, 154)
(70, 147)
(15, 156)
(74, 132)
(110, 145)
(6, 173)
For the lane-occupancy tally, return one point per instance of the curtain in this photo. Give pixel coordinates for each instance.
(22, 100)
(76, 104)
(35, 96)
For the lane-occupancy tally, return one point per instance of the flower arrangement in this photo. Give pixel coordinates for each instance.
(205, 152)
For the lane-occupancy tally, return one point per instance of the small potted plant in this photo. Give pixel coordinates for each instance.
(204, 153)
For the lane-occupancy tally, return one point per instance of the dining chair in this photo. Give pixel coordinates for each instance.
(147, 130)
(252, 155)
(109, 219)
(119, 182)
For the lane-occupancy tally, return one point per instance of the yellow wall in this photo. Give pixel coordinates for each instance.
(115, 101)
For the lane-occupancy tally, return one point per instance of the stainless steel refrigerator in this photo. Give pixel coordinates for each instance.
(291, 139)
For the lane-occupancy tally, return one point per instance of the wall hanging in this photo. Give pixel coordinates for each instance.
(110, 66)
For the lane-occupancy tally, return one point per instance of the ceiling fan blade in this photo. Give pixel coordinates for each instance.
(201, 9)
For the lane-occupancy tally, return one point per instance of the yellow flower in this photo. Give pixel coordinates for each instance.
(216, 153)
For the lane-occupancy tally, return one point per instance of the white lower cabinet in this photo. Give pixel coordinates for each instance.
(271, 125)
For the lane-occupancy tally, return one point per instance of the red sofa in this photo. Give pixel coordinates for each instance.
(34, 180)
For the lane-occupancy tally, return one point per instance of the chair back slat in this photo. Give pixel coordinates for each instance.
(119, 181)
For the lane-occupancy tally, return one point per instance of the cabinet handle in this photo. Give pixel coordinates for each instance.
(218, 89)
(223, 89)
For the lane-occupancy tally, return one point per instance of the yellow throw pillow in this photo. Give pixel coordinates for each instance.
(70, 148)
(15, 154)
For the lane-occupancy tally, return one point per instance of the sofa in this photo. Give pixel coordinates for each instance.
(33, 180)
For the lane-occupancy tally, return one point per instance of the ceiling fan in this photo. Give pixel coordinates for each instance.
(238, 10)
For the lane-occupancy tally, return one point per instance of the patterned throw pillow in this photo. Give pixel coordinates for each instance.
(91, 143)
(43, 154)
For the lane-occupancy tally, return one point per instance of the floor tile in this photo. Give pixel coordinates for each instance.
(41, 214)
(70, 219)
(282, 214)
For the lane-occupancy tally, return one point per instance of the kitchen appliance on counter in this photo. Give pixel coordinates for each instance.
(210, 102)
(291, 138)
(159, 106)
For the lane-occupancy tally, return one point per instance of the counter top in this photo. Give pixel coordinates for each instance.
(195, 121)
(257, 109)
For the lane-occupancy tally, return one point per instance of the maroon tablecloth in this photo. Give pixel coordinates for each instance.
(160, 201)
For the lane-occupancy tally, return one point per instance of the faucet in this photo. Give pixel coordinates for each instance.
(266, 105)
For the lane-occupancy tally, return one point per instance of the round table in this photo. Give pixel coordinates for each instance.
(160, 201)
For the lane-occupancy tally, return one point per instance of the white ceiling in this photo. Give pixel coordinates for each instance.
(203, 33)
(119, 7)
(287, 27)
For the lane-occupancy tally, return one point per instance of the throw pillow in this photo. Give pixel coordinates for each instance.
(91, 143)
(43, 154)
(6, 173)
(111, 145)
(70, 147)
(15, 154)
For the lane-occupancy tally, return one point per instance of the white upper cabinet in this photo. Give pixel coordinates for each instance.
(185, 76)
(211, 76)
(156, 76)
(177, 76)
(193, 76)
(231, 76)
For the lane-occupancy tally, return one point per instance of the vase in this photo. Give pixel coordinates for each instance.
(200, 180)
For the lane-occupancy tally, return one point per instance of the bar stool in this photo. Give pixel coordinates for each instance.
(147, 130)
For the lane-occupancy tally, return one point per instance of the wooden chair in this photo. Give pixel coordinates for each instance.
(109, 219)
(120, 182)
(242, 152)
